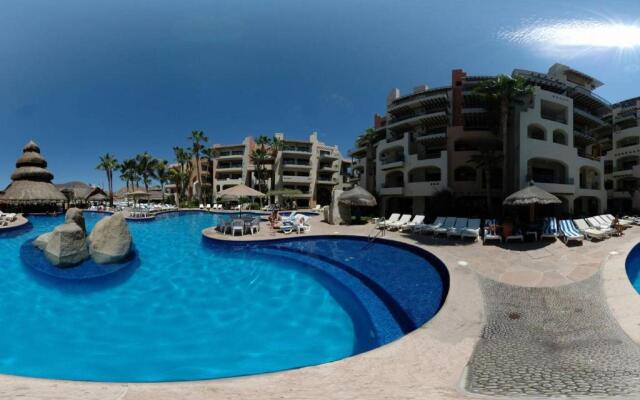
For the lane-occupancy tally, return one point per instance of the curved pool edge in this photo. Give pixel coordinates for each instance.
(211, 236)
(622, 298)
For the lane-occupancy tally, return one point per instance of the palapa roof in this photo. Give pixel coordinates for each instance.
(31, 181)
(238, 191)
(532, 194)
(358, 196)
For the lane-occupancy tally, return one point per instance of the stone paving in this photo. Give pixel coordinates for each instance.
(550, 342)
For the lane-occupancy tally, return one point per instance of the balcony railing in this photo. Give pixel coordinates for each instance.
(394, 159)
(550, 179)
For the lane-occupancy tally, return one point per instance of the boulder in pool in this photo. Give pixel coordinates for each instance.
(110, 240)
(75, 215)
(67, 245)
(42, 240)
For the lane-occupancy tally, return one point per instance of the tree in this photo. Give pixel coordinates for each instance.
(209, 154)
(260, 157)
(275, 145)
(128, 172)
(504, 90)
(183, 157)
(197, 138)
(488, 159)
(162, 174)
(108, 163)
(146, 168)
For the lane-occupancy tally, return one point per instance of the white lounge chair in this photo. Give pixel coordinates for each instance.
(383, 223)
(569, 231)
(472, 230)
(515, 235)
(317, 207)
(589, 232)
(549, 228)
(424, 228)
(446, 225)
(488, 235)
(456, 230)
(394, 226)
(597, 223)
(418, 219)
(208, 206)
(623, 221)
(201, 206)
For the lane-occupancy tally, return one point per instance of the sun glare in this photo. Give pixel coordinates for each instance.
(578, 34)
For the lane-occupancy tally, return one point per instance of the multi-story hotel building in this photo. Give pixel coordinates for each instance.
(309, 168)
(560, 138)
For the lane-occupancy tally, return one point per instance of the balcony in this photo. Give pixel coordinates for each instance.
(358, 152)
(230, 155)
(326, 181)
(391, 191)
(421, 136)
(332, 168)
(301, 150)
(296, 165)
(425, 188)
(229, 167)
(584, 115)
(296, 179)
(392, 162)
(554, 184)
(329, 155)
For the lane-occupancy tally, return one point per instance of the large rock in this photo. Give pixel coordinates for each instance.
(67, 245)
(110, 239)
(337, 213)
(42, 240)
(75, 215)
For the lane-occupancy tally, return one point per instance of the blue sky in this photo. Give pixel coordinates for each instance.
(83, 78)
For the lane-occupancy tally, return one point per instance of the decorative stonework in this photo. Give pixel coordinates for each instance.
(555, 341)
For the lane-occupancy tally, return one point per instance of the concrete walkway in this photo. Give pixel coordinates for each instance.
(525, 285)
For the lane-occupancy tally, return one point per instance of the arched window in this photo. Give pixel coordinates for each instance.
(536, 132)
(560, 137)
(464, 174)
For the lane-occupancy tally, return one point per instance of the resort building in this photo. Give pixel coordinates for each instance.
(560, 138)
(304, 171)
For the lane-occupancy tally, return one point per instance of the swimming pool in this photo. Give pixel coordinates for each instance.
(191, 308)
(632, 265)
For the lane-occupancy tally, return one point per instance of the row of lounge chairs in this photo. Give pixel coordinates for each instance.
(295, 222)
(449, 226)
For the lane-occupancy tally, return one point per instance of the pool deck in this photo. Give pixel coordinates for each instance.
(434, 361)
(19, 222)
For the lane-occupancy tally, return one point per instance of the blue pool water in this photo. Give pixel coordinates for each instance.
(190, 308)
(632, 266)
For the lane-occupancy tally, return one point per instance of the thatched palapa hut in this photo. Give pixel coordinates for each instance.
(31, 189)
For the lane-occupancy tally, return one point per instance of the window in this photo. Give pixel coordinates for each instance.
(553, 111)
(559, 137)
(535, 132)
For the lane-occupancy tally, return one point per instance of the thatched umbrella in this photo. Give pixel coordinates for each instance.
(98, 197)
(137, 194)
(530, 196)
(31, 181)
(358, 196)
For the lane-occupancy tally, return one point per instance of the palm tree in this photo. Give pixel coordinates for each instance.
(210, 153)
(146, 168)
(183, 157)
(128, 172)
(260, 157)
(488, 159)
(108, 163)
(197, 137)
(504, 90)
(162, 174)
(275, 145)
